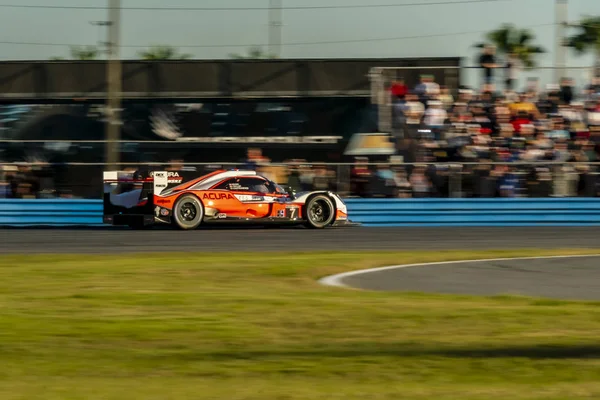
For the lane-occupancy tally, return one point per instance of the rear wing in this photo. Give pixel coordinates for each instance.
(129, 196)
(157, 180)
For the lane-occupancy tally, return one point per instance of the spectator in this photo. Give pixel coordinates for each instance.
(526, 105)
(402, 184)
(566, 91)
(487, 61)
(360, 177)
(419, 182)
(521, 119)
(513, 66)
(7, 173)
(435, 117)
(446, 98)
(398, 89)
(322, 179)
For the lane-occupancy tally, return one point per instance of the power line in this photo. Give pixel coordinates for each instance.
(288, 8)
(283, 44)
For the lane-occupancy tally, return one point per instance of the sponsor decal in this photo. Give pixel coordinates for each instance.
(221, 216)
(172, 177)
(237, 186)
(161, 174)
(160, 181)
(158, 211)
(218, 196)
(249, 198)
(161, 201)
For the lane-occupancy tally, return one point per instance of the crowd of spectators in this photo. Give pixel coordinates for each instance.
(24, 181)
(514, 143)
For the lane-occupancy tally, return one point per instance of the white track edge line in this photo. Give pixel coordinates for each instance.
(336, 280)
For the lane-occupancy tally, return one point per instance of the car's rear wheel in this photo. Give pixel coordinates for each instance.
(188, 212)
(320, 212)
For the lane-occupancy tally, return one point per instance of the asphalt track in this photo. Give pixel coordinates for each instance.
(568, 278)
(227, 239)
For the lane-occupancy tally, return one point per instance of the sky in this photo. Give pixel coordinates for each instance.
(413, 30)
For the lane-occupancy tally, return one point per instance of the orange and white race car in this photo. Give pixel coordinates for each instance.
(163, 197)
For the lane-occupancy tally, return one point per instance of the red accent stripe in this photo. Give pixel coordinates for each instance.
(129, 180)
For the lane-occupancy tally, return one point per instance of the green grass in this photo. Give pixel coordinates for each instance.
(259, 326)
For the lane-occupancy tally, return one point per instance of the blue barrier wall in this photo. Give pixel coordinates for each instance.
(50, 212)
(476, 212)
(369, 212)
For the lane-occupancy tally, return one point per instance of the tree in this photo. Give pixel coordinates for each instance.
(81, 53)
(254, 53)
(587, 39)
(84, 52)
(509, 39)
(163, 53)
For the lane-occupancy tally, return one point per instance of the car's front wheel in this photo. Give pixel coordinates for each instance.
(320, 212)
(188, 212)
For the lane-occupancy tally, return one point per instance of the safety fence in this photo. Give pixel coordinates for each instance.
(368, 212)
(547, 179)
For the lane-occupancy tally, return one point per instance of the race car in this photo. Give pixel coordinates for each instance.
(140, 200)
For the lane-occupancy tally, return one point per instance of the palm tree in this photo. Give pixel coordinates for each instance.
(254, 53)
(587, 40)
(163, 53)
(509, 39)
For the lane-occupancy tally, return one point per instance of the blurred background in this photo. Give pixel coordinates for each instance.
(471, 98)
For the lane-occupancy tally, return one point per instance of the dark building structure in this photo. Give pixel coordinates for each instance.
(35, 81)
(199, 111)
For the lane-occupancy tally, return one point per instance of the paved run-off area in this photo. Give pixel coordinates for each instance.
(567, 278)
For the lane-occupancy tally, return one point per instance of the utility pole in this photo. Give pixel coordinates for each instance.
(275, 24)
(101, 43)
(560, 63)
(113, 78)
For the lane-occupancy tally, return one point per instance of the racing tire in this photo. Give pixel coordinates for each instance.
(188, 212)
(320, 211)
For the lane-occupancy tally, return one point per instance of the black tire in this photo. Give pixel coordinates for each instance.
(188, 212)
(320, 211)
